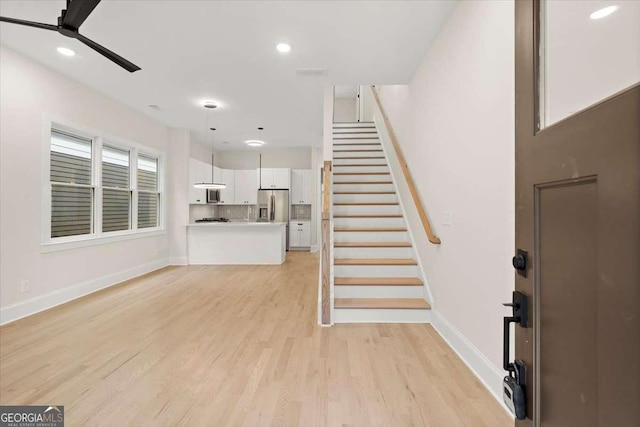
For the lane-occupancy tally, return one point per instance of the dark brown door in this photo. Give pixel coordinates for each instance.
(578, 216)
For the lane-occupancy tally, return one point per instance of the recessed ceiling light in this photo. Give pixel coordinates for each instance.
(254, 143)
(260, 128)
(66, 51)
(599, 14)
(154, 106)
(283, 47)
(210, 104)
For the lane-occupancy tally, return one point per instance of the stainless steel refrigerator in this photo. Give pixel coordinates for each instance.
(273, 206)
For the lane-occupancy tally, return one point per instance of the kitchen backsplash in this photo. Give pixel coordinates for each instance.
(201, 211)
(301, 212)
(238, 212)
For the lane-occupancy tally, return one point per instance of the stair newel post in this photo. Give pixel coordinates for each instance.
(326, 244)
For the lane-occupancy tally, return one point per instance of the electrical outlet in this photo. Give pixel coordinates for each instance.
(24, 286)
(447, 218)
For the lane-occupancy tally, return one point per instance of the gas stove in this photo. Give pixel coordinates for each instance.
(213, 220)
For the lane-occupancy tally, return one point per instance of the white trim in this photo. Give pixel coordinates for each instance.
(313, 248)
(40, 303)
(178, 260)
(489, 375)
(110, 237)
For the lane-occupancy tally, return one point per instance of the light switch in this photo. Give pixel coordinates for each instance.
(447, 218)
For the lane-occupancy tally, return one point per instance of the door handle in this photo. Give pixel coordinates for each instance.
(515, 381)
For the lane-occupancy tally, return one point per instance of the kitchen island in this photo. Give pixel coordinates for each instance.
(220, 243)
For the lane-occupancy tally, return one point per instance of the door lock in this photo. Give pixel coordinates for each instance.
(520, 262)
(513, 385)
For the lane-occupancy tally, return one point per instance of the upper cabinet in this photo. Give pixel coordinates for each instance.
(301, 187)
(226, 176)
(246, 188)
(198, 172)
(274, 178)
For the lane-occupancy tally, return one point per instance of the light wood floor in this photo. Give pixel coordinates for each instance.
(229, 346)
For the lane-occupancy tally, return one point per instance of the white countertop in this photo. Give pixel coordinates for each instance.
(237, 224)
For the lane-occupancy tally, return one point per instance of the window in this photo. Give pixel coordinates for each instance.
(71, 189)
(148, 196)
(116, 189)
(93, 192)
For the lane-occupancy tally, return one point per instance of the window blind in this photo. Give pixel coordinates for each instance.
(116, 195)
(148, 197)
(72, 203)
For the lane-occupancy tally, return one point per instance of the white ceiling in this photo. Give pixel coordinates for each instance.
(192, 51)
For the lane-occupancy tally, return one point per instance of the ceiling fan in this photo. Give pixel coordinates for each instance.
(69, 23)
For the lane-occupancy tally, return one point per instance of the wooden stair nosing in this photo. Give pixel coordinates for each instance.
(363, 192)
(361, 182)
(358, 158)
(371, 244)
(369, 229)
(360, 144)
(365, 204)
(375, 261)
(355, 138)
(377, 281)
(360, 165)
(362, 173)
(381, 303)
(368, 216)
(357, 151)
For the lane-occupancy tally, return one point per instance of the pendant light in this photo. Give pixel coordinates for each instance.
(212, 185)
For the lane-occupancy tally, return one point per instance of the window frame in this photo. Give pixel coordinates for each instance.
(98, 138)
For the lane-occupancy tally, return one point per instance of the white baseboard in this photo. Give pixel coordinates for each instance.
(178, 260)
(40, 303)
(313, 248)
(488, 374)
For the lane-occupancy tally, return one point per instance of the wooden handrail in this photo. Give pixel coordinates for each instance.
(326, 245)
(407, 175)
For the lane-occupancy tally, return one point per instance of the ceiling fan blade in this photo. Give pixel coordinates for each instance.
(78, 11)
(111, 55)
(29, 23)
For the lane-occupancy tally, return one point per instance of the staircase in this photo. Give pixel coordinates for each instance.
(377, 277)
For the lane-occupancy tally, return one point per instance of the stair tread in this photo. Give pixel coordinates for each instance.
(394, 303)
(377, 281)
(364, 192)
(358, 158)
(365, 203)
(357, 143)
(374, 261)
(368, 216)
(369, 229)
(357, 151)
(360, 165)
(371, 245)
(361, 173)
(361, 182)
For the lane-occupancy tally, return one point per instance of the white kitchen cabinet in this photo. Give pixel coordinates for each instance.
(226, 176)
(246, 188)
(275, 178)
(299, 234)
(197, 196)
(301, 187)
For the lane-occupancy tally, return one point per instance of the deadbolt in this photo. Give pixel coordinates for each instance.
(520, 262)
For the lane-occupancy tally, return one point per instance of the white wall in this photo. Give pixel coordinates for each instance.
(178, 200)
(28, 93)
(345, 110)
(455, 125)
(294, 158)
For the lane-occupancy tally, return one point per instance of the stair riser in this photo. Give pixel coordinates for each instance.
(367, 236)
(341, 125)
(366, 209)
(376, 270)
(338, 168)
(362, 187)
(360, 178)
(373, 252)
(344, 315)
(356, 198)
(337, 162)
(379, 291)
(368, 222)
(365, 136)
(359, 153)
